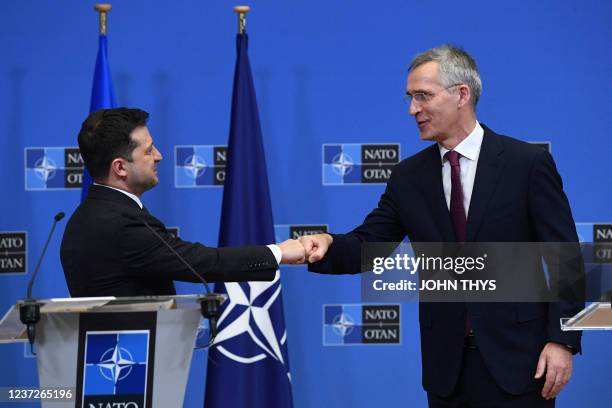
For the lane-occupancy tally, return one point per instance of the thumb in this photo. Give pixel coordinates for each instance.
(541, 366)
(317, 255)
(307, 244)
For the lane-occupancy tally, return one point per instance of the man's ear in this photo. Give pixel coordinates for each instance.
(118, 167)
(464, 95)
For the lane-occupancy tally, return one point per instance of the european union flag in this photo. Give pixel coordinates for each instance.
(102, 94)
(248, 365)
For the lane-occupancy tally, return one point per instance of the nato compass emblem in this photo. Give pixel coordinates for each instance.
(199, 166)
(194, 166)
(250, 326)
(53, 168)
(342, 164)
(339, 164)
(358, 163)
(44, 168)
(115, 366)
(343, 324)
(359, 324)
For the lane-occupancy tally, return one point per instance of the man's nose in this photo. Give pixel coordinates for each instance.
(414, 107)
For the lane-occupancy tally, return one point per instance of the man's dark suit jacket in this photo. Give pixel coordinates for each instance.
(517, 197)
(105, 252)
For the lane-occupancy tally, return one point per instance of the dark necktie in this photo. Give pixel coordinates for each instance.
(457, 212)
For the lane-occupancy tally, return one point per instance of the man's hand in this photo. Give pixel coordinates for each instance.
(316, 246)
(556, 361)
(293, 252)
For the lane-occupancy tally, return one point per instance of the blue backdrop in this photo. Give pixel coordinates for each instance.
(325, 72)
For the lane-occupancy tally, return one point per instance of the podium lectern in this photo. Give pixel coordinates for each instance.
(107, 351)
(596, 316)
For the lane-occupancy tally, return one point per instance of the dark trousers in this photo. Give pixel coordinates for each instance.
(476, 388)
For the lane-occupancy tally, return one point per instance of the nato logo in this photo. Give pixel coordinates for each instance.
(115, 372)
(544, 145)
(356, 163)
(284, 232)
(13, 253)
(53, 168)
(199, 166)
(359, 324)
(248, 329)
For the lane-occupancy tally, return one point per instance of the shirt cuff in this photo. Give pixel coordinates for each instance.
(276, 251)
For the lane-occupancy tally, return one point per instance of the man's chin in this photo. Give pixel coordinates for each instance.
(151, 184)
(427, 136)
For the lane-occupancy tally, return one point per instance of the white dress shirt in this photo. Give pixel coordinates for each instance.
(132, 196)
(469, 149)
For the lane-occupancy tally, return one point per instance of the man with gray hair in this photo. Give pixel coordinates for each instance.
(471, 185)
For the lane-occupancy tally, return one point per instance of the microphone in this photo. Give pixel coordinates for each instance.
(209, 307)
(29, 310)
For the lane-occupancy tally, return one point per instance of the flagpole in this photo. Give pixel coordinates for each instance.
(103, 9)
(102, 93)
(239, 378)
(241, 10)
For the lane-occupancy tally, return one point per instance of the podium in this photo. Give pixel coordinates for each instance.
(596, 316)
(107, 351)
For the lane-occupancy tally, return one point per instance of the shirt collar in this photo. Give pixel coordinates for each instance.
(132, 196)
(469, 147)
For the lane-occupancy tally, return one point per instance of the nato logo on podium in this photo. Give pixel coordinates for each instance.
(115, 368)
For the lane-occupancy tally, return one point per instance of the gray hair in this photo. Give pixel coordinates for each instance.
(456, 67)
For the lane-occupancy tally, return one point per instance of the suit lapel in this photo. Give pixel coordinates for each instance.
(490, 166)
(433, 191)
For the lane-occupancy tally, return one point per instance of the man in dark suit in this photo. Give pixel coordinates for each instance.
(107, 250)
(472, 185)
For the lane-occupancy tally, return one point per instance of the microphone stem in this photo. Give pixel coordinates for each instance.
(176, 253)
(42, 255)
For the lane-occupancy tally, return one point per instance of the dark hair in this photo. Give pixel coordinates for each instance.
(105, 135)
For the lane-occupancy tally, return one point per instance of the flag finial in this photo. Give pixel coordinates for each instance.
(103, 9)
(241, 10)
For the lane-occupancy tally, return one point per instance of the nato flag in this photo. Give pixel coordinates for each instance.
(248, 363)
(102, 95)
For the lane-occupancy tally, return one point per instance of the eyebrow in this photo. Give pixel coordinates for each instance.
(417, 91)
